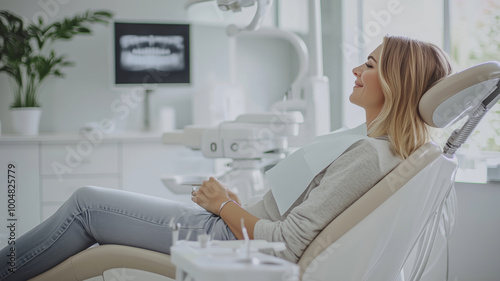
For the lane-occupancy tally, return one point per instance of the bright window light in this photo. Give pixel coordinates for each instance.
(474, 37)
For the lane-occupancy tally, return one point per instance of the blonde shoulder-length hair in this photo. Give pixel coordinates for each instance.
(407, 69)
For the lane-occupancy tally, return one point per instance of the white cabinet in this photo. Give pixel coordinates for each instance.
(49, 168)
(66, 166)
(23, 210)
(73, 158)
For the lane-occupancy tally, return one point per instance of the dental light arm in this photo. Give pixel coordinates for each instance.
(262, 8)
(309, 92)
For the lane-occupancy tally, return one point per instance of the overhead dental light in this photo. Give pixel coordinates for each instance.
(237, 6)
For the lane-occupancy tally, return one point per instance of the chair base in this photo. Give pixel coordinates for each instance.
(94, 262)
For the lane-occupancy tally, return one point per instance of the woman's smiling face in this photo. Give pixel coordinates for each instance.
(367, 92)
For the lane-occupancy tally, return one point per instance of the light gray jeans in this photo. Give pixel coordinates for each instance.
(106, 216)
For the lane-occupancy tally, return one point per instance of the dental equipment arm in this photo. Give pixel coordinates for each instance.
(249, 136)
(252, 141)
(309, 92)
(263, 7)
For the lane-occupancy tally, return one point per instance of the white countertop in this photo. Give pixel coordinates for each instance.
(122, 136)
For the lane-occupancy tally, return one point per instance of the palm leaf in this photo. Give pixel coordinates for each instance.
(25, 53)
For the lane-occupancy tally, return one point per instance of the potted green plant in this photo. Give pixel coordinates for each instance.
(26, 55)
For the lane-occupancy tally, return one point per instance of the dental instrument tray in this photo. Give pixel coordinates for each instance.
(231, 260)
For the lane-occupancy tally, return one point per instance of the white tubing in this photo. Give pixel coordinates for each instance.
(262, 8)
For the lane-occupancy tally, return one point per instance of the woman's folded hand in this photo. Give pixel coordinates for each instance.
(211, 195)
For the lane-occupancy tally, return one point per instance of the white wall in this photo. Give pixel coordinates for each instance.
(87, 93)
(475, 245)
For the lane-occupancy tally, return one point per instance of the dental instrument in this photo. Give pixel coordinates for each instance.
(175, 227)
(231, 260)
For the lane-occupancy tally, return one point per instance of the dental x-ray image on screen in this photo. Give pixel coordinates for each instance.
(151, 53)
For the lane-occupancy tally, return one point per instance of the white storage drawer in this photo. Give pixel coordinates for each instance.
(54, 190)
(78, 158)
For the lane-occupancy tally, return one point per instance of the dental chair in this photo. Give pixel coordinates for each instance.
(398, 230)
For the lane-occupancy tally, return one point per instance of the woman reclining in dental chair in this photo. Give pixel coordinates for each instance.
(388, 86)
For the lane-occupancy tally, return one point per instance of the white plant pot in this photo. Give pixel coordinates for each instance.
(26, 120)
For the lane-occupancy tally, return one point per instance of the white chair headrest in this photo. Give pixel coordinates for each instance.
(455, 96)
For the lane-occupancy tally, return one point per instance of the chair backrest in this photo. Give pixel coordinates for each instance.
(355, 245)
(376, 235)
